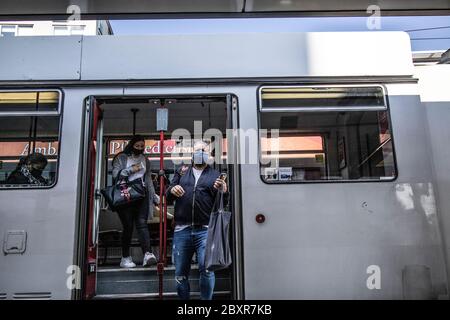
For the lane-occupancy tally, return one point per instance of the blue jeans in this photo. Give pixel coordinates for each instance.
(185, 243)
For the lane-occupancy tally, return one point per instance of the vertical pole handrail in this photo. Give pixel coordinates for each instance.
(162, 122)
(163, 216)
(161, 210)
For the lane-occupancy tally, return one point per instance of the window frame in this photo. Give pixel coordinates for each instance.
(386, 108)
(58, 113)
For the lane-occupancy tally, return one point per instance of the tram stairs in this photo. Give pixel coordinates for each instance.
(114, 282)
(143, 283)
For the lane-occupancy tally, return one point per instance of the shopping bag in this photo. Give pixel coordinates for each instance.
(124, 192)
(218, 252)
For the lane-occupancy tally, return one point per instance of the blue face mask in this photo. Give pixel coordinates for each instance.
(200, 157)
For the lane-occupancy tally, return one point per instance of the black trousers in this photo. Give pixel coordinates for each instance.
(135, 214)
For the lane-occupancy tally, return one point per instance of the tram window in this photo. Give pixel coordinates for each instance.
(327, 145)
(29, 101)
(22, 136)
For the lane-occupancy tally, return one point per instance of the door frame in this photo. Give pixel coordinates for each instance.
(86, 248)
(85, 225)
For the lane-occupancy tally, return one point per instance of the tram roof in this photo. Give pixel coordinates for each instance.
(206, 56)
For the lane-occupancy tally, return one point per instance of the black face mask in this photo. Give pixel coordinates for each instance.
(137, 151)
(36, 172)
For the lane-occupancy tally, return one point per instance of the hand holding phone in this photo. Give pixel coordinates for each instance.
(220, 182)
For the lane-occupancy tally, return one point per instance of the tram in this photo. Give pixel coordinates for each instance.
(335, 145)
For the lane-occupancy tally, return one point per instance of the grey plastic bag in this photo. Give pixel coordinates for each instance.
(218, 253)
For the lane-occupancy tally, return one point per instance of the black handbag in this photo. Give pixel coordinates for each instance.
(124, 193)
(217, 251)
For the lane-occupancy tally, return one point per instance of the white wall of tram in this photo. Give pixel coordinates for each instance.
(435, 96)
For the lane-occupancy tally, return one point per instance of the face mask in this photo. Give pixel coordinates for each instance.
(137, 151)
(36, 172)
(200, 157)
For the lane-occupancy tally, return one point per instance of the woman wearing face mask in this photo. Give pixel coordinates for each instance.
(132, 164)
(29, 171)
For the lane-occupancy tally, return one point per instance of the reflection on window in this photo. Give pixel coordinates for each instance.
(29, 139)
(325, 145)
(28, 160)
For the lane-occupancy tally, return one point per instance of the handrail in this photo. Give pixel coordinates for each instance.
(163, 218)
(375, 151)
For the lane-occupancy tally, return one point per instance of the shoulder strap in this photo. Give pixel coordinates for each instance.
(218, 201)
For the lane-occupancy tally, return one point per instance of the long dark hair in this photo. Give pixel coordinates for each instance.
(128, 150)
(129, 147)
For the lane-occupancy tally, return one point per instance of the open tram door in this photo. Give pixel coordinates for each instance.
(91, 198)
(109, 123)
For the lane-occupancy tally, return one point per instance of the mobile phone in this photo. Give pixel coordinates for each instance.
(223, 176)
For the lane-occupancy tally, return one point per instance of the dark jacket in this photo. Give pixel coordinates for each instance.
(194, 207)
(17, 177)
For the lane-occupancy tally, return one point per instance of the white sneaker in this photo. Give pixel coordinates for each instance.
(127, 263)
(149, 259)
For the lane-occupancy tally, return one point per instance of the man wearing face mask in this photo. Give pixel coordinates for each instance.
(194, 189)
(29, 171)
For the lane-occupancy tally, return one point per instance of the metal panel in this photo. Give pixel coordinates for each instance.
(48, 216)
(319, 240)
(40, 58)
(249, 55)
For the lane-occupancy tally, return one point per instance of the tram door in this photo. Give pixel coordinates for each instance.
(94, 162)
(110, 130)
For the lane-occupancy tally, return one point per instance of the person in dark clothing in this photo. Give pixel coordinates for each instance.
(131, 164)
(29, 171)
(194, 189)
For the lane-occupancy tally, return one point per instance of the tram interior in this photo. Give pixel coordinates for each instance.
(122, 117)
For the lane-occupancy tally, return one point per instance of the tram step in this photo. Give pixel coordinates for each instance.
(118, 281)
(218, 295)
